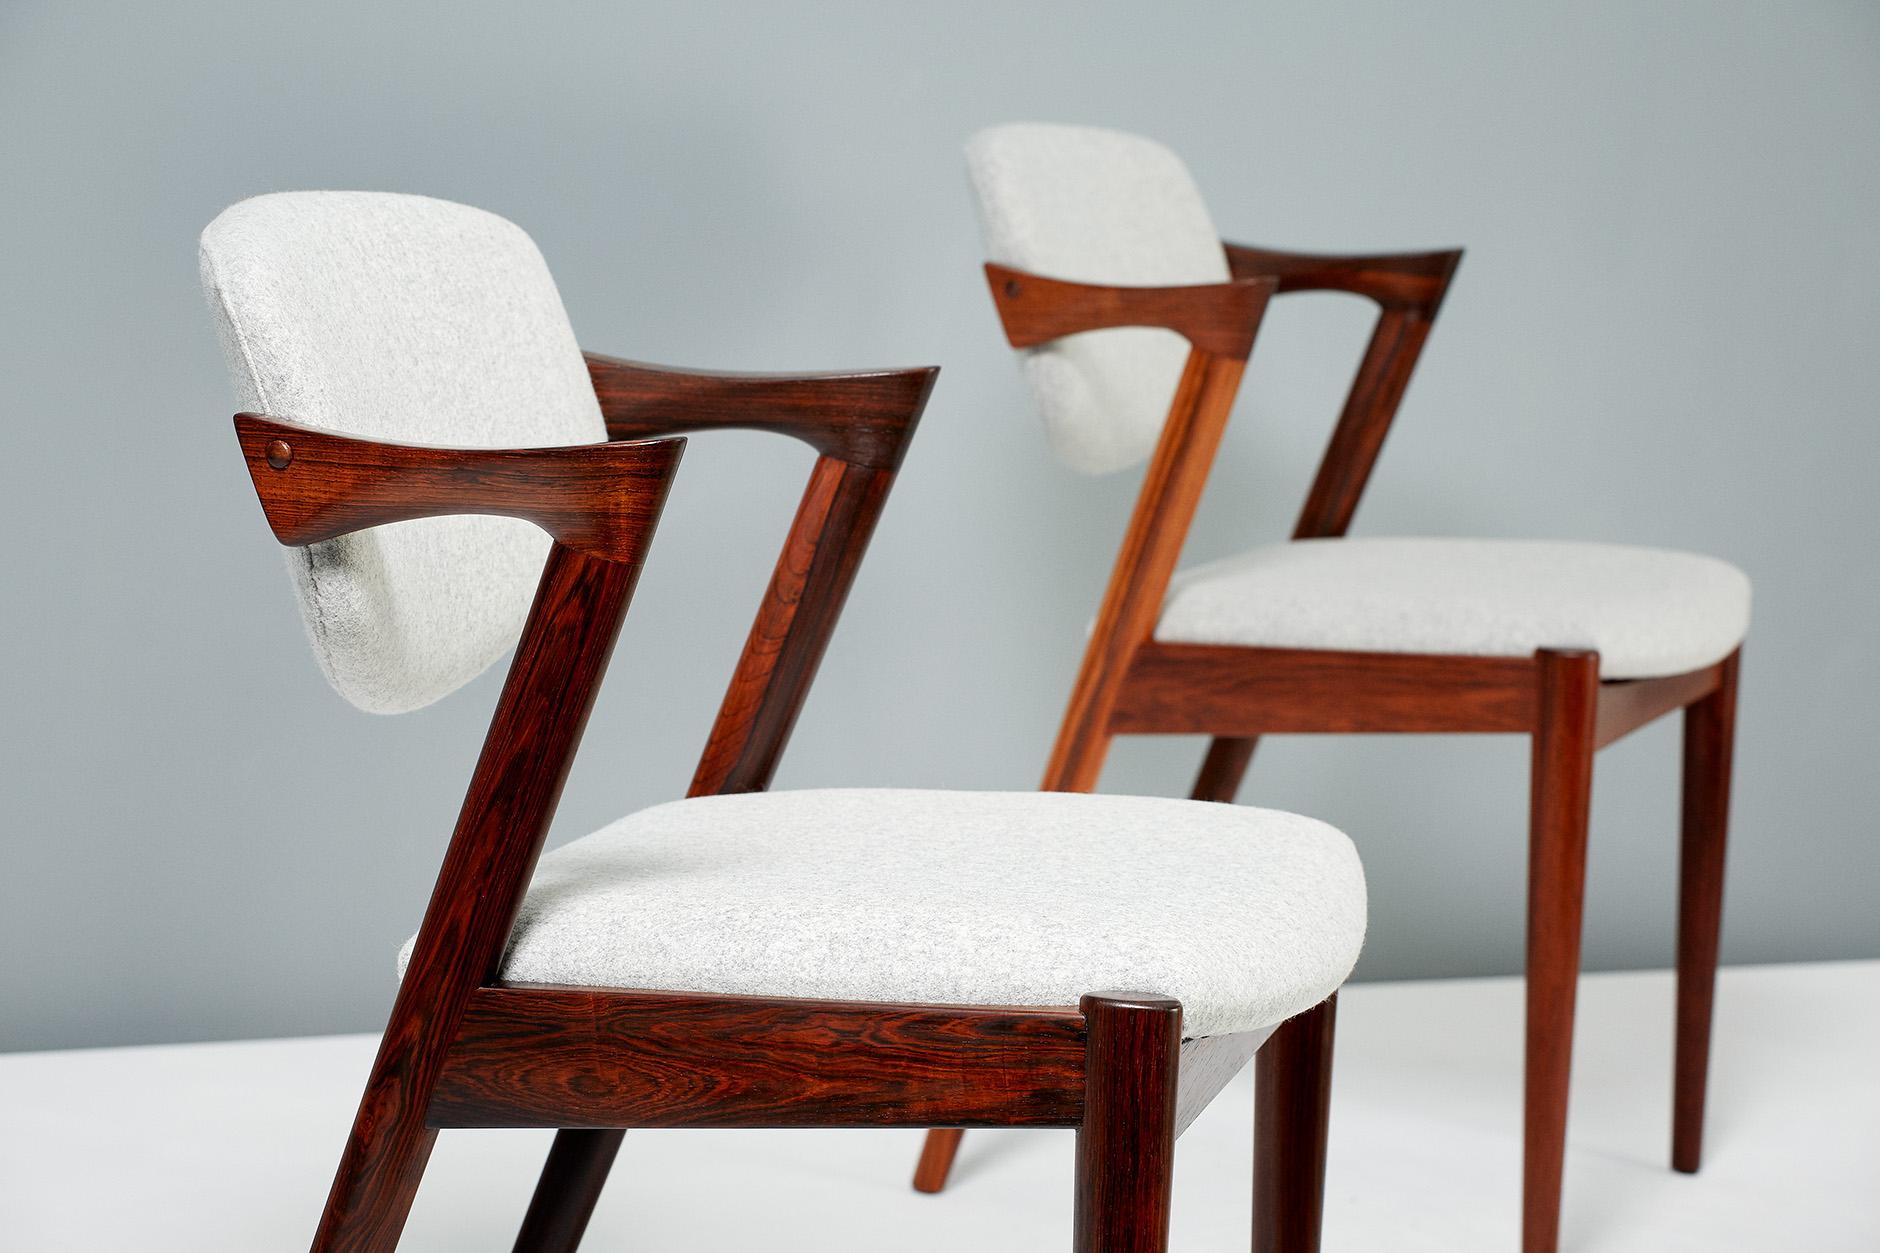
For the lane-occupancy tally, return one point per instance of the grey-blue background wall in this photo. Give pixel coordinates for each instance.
(1667, 331)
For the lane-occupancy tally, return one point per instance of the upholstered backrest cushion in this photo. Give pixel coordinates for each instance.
(1096, 206)
(417, 320)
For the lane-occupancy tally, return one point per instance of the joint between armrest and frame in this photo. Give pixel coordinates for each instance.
(1406, 280)
(315, 485)
(1408, 289)
(863, 417)
(1218, 318)
(860, 423)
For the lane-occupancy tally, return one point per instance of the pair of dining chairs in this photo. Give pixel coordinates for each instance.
(455, 477)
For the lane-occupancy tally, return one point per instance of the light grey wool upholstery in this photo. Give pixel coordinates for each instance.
(416, 320)
(1102, 206)
(402, 318)
(1096, 206)
(1246, 916)
(1648, 611)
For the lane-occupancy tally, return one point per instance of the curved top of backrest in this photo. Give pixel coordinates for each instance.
(416, 320)
(1096, 206)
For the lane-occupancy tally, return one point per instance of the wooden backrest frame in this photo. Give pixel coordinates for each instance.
(601, 503)
(859, 425)
(1220, 321)
(1408, 290)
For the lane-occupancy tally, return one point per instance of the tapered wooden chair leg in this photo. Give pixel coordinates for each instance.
(1561, 798)
(936, 1158)
(1126, 1143)
(1709, 739)
(568, 1190)
(1223, 768)
(1291, 1111)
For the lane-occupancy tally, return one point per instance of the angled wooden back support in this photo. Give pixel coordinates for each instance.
(600, 503)
(859, 425)
(1220, 322)
(1408, 290)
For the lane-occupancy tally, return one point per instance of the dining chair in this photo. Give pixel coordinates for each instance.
(1572, 644)
(416, 415)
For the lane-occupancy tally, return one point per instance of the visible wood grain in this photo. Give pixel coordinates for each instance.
(596, 498)
(1129, 683)
(1220, 319)
(1407, 279)
(1165, 506)
(600, 502)
(1115, 681)
(795, 621)
(1627, 705)
(568, 1190)
(1292, 1104)
(860, 423)
(539, 718)
(1709, 745)
(1209, 1064)
(575, 1057)
(1232, 691)
(863, 417)
(1126, 1145)
(1560, 802)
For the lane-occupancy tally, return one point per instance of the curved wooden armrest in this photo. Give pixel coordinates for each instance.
(314, 484)
(1219, 318)
(1406, 279)
(864, 418)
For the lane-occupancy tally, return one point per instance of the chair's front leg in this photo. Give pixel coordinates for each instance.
(1126, 1143)
(1709, 741)
(568, 1190)
(1291, 1110)
(1560, 798)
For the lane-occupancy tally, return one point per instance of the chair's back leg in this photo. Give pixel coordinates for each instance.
(1560, 802)
(568, 1190)
(1126, 1143)
(1223, 768)
(936, 1158)
(1709, 740)
(1291, 1110)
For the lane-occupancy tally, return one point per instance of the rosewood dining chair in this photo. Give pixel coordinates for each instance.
(1574, 645)
(416, 413)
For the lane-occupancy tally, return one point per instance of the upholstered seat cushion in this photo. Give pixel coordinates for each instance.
(1648, 611)
(1246, 916)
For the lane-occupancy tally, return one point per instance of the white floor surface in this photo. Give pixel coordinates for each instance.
(227, 1147)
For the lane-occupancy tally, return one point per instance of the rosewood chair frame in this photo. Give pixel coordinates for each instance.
(463, 1048)
(1131, 683)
